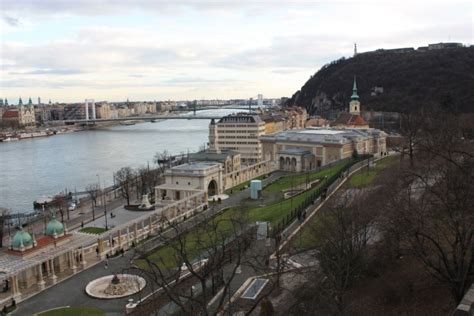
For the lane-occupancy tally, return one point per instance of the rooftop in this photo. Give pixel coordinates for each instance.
(198, 165)
(323, 135)
(213, 156)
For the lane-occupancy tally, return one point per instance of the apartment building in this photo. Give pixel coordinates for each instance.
(238, 132)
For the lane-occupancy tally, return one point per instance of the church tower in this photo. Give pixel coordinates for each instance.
(354, 105)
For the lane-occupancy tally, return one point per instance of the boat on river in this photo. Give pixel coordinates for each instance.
(41, 202)
(128, 123)
(8, 139)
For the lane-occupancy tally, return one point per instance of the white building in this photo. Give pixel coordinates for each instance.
(238, 132)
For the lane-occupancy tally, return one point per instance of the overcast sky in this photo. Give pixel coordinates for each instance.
(69, 50)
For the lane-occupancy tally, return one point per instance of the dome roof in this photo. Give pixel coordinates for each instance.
(54, 227)
(22, 239)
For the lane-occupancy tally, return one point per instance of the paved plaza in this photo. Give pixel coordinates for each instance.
(71, 291)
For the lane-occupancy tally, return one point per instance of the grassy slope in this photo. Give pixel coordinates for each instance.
(239, 187)
(364, 178)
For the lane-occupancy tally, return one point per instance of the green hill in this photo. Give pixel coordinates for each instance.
(409, 80)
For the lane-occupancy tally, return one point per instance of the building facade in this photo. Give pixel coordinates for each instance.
(304, 150)
(21, 116)
(238, 132)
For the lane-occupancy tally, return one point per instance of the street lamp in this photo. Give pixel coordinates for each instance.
(104, 202)
(105, 208)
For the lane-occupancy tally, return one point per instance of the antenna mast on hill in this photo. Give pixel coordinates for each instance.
(355, 49)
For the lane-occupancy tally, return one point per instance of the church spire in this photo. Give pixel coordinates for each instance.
(354, 95)
(20, 102)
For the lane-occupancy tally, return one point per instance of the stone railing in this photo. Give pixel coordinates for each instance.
(466, 307)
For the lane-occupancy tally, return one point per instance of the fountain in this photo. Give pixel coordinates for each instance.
(115, 286)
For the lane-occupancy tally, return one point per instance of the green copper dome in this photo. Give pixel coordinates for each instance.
(54, 227)
(22, 239)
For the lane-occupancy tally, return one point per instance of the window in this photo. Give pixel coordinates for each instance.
(177, 182)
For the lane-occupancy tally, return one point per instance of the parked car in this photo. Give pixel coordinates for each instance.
(72, 206)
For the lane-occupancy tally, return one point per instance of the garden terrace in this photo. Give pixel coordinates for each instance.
(278, 214)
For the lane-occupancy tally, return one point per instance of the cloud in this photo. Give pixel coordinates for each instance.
(183, 80)
(49, 72)
(287, 53)
(11, 20)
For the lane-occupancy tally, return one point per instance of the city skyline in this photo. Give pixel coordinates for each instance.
(153, 50)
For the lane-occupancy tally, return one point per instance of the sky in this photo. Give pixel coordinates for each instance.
(144, 50)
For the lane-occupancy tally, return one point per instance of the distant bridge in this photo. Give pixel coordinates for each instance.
(93, 119)
(146, 118)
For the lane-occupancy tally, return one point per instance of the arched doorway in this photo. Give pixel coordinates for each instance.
(293, 164)
(212, 188)
(282, 163)
(287, 163)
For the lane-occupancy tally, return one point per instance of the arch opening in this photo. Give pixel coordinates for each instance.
(212, 188)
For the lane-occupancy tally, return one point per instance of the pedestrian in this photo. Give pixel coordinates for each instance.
(106, 263)
(97, 251)
(82, 224)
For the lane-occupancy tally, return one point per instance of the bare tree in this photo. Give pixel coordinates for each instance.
(341, 237)
(3, 221)
(59, 202)
(410, 128)
(93, 191)
(162, 159)
(125, 178)
(147, 179)
(431, 205)
(205, 260)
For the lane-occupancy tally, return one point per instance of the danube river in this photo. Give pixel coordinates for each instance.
(45, 166)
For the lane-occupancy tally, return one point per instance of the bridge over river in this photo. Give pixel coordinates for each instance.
(145, 118)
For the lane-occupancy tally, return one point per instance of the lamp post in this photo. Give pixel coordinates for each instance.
(104, 202)
(105, 207)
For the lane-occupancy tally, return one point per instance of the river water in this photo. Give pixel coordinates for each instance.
(45, 166)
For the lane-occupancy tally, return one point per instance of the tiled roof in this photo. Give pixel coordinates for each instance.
(349, 119)
(11, 114)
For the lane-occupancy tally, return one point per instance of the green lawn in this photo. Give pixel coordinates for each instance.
(93, 230)
(365, 177)
(239, 187)
(74, 311)
(196, 241)
(297, 179)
